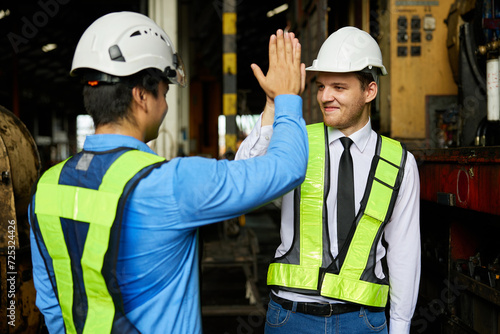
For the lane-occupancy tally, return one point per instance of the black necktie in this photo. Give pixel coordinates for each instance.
(345, 193)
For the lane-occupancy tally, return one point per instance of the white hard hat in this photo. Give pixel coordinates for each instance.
(349, 49)
(124, 43)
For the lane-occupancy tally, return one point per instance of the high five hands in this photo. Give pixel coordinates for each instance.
(286, 74)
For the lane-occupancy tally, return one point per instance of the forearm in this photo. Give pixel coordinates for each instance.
(268, 113)
(289, 140)
(231, 188)
(285, 142)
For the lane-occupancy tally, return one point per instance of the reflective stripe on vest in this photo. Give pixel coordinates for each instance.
(347, 285)
(97, 208)
(306, 275)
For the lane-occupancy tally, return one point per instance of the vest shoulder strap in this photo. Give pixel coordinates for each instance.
(312, 197)
(385, 178)
(305, 274)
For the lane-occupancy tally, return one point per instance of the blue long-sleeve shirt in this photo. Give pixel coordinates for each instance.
(158, 257)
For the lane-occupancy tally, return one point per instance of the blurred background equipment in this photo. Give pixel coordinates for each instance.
(460, 181)
(229, 251)
(19, 170)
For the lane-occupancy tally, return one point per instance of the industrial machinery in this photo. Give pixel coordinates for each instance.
(230, 247)
(460, 183)
(19, 170)
(441, 98)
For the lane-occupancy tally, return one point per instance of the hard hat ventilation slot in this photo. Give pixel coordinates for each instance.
(137, 33)
(115, 53)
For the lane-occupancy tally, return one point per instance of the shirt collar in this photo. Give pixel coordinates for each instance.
(360, 137)
(106, 142)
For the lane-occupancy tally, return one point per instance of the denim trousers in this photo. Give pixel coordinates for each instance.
(281, 321)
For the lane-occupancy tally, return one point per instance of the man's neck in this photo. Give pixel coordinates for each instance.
(125, 129)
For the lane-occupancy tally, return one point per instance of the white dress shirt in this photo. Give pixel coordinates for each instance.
(402, 233)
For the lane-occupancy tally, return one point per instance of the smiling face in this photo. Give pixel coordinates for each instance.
(342, 100)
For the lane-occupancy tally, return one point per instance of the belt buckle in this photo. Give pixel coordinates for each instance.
(331, 309)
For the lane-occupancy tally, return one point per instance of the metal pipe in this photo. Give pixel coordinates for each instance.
(492, 89)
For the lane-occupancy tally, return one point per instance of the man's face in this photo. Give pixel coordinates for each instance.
(158, 108)
(342, 101)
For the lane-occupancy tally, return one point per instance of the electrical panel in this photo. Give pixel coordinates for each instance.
(416, 57)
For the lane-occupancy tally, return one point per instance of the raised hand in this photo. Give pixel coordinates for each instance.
(286, 74)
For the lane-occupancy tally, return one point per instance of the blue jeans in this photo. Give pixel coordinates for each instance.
(281, 321)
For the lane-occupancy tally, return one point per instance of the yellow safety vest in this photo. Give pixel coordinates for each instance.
(97, 208)
(310, 274)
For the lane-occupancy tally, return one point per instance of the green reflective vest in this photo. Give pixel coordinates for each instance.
(350, 276)
(97, 208)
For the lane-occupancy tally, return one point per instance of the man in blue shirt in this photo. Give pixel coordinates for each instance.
(114, 228)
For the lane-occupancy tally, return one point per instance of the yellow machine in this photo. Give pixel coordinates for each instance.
(420, 76)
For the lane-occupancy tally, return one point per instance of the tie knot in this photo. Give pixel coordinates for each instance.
(346, 142)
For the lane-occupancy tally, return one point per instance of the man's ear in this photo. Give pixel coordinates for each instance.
(139, 96)
(371, 92)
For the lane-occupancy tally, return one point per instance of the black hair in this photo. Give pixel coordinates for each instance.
(110, 102)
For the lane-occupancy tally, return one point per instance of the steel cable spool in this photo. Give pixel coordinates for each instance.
(19, 170)
(23, 155)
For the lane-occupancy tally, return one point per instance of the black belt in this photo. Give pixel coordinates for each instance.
(321, 308)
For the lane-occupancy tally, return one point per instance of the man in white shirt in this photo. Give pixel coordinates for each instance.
(338, 245)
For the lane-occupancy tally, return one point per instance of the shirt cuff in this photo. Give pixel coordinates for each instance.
(256, 143)
(266, 132)
(399, 326)
(287, 104)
